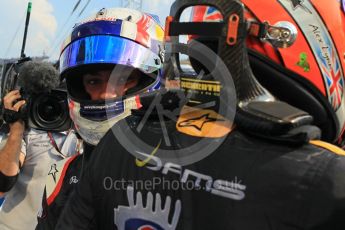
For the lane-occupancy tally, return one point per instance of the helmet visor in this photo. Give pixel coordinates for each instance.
(104, 49)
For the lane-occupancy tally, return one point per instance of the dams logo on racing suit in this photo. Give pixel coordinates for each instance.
(138, 216)
(228, 189)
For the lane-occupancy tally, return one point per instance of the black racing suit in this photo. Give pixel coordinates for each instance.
(247, 183)
(63, 181)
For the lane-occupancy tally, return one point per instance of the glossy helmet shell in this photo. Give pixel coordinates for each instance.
(309, 74)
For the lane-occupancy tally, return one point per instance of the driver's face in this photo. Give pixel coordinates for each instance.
(98, 86)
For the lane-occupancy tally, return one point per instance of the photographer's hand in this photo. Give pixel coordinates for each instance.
(10, 103)
(10, 98)
(10, 155)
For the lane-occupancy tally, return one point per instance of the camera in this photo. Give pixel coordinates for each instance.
(46, 106)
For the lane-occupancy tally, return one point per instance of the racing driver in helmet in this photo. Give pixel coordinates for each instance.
(108, 60)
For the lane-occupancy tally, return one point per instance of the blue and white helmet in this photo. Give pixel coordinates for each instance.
(114, 38)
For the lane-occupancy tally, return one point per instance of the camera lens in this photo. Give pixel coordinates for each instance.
(49, 110)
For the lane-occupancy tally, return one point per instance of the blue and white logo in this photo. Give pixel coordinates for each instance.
(137, 216)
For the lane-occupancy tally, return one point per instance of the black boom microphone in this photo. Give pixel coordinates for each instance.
(38, 77)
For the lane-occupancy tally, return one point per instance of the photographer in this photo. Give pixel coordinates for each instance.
(11, 157)
(26, 157)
